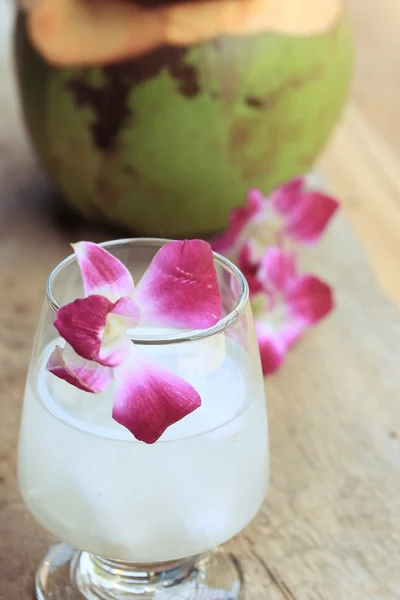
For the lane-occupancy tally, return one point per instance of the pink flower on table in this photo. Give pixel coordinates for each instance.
(292, 212)
(249, 267)
(262, 238)
(179, 289)
(287, 304)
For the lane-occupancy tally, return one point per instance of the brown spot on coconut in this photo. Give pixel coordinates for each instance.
(88, 32)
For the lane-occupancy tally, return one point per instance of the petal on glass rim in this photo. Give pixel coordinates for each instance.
(82, 374)
(309, 299)
(125, 307)
(238, 219)
(180, 287)
(149, 398)
(286, 197)
(278, 269)
(311, 216)
(85, 324)
(102, 273)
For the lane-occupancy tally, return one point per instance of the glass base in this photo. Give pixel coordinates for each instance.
(67, 574)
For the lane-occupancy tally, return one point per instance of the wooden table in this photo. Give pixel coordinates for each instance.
(362, 163)
(330, 528)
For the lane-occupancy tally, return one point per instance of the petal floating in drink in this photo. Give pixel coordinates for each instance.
(149, 398)
(95, 328)
(83, 374)
(180, 287)
(102, 273)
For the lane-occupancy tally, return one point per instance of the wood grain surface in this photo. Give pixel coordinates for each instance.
(362, 162)
(330, 528)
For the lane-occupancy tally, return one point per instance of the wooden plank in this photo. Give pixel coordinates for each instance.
(364, 172)
(362, 162)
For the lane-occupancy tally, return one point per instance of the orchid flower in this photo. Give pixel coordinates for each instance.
(286, 304)
(179, 289)
(292, 212)
(262, 238)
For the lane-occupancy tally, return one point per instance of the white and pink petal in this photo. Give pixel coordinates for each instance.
(250, 268)
(149, 398)
(94, 331)
(311, 216)
(239, 219)
(75, 370)
(275, 342)
(278, 269)
(180, 287)
(272, 348)
(126, 307)
(285, 198)
(309, 300)
(102, 273)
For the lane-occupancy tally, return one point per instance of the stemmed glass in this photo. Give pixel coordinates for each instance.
(139, 520)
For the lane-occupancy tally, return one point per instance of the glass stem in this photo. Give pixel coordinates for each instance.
(99, 577)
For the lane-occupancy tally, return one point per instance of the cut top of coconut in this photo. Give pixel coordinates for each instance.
(93, 32)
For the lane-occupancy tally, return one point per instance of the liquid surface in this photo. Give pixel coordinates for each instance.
(214, 372)
(91, 484)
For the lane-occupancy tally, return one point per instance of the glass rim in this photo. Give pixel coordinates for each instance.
(185, 336)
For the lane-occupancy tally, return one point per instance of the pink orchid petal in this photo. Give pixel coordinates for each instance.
(83, 374)
(309, 299)
(224, 242)
(272, 349)
(84, 324)
(180, 288)
(238, 220)
(274, 344)
(150, 398)
(102, 273)
(278, 269)
(249, 268)
(125, 307)
(286, 198)
(308, 221)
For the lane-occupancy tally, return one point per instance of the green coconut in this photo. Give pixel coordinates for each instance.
(168, 143)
